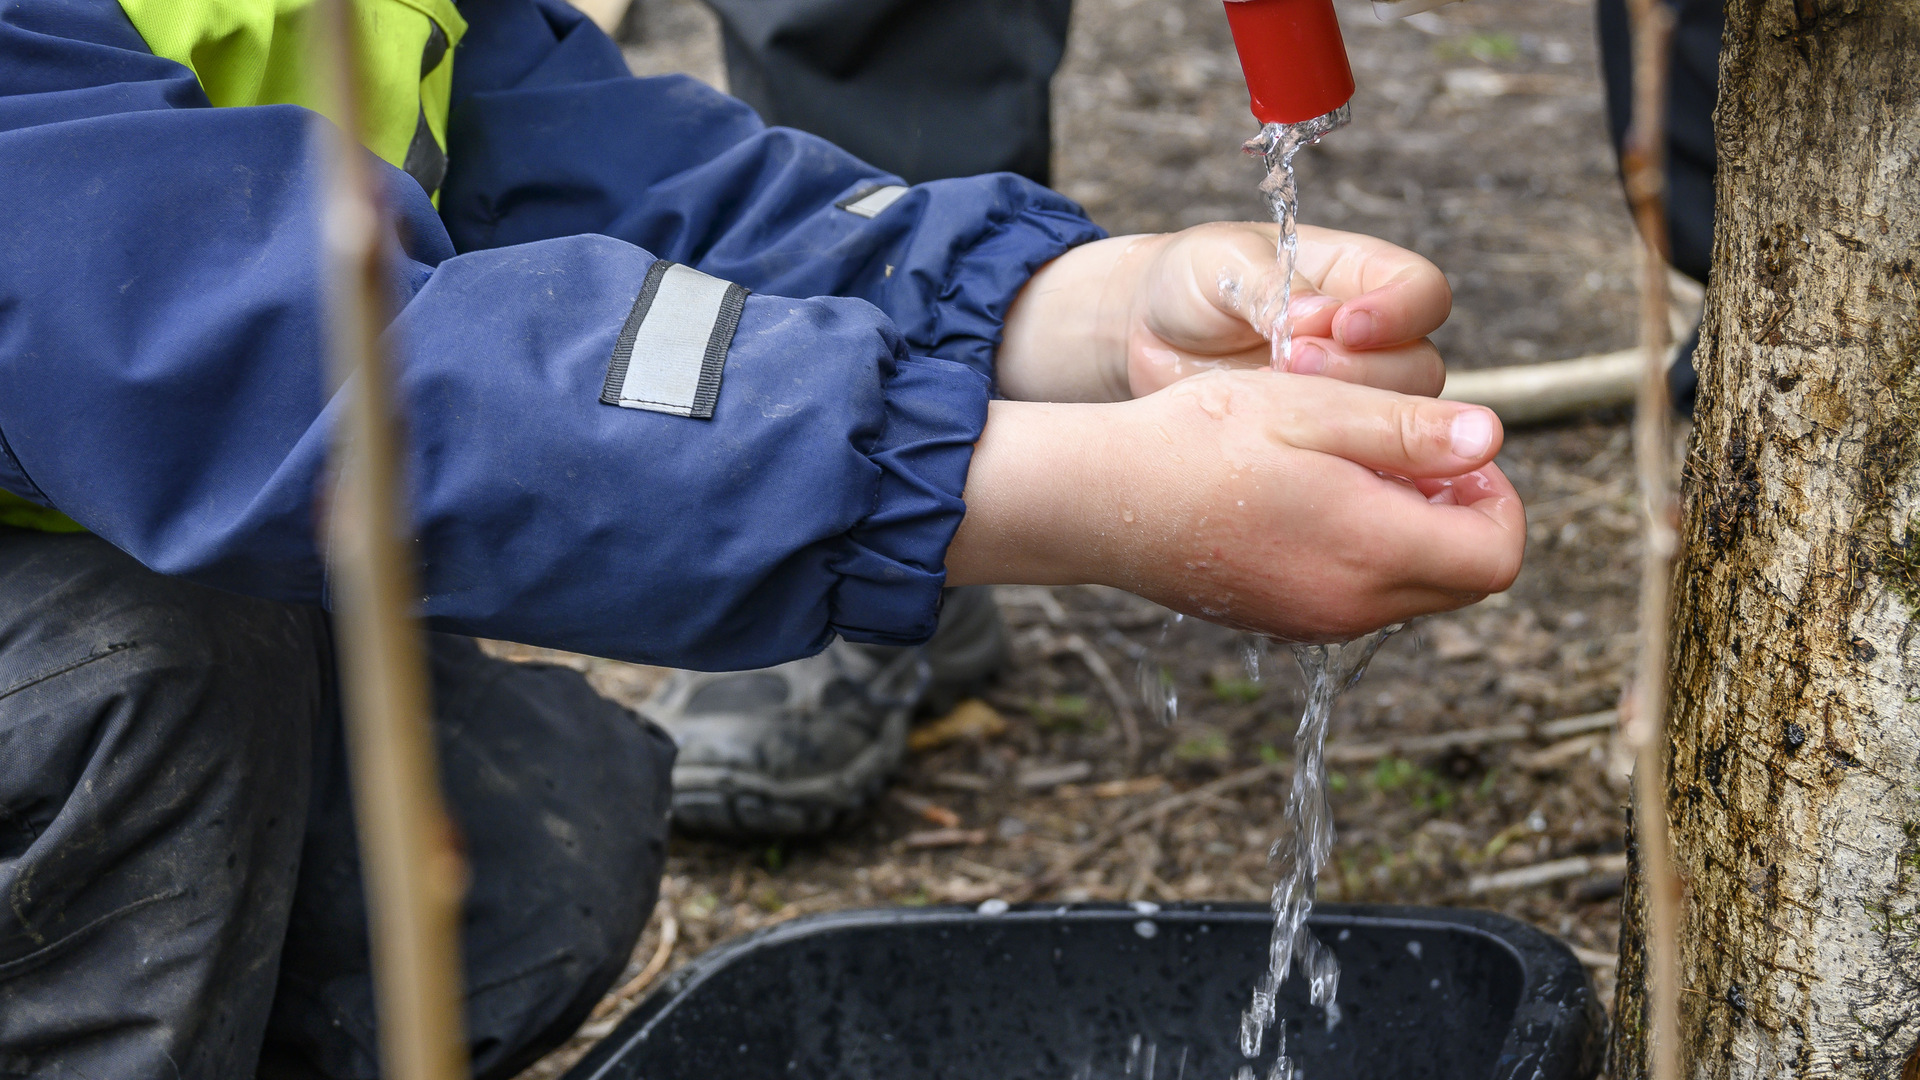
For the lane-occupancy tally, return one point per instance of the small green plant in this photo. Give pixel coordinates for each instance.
(1487, 48)
(1066, 713)
(1336, 782)
(1236, 691)
(1268, 755)
(1393, 773)
(1424, 788)
(1207, 746)
(917, 898)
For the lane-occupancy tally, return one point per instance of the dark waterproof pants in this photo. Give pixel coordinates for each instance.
(180, 894)
(926, 89)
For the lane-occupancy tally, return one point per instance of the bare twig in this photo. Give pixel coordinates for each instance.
(1111, 835)
(1036, 596)
(938, 838)
(1363, 753)
(669, 934)
(1644, 165)
(413, 869)
(926, 808)
(1562, 753)
(1122, 703)
(1546, 873)
(1594, 958)
(1048, 777)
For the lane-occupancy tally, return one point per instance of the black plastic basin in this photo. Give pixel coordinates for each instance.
(1092, 991)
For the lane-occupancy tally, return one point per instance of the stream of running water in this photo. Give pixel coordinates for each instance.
(1302, 850)
(1277, 144)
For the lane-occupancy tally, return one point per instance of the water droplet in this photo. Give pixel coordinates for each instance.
(1126, 515)
(1146, 928)
(995, 906)
(1145, 907)
(1413, 948)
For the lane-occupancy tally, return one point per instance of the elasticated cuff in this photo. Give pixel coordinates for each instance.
(969, 313)
(893, 565)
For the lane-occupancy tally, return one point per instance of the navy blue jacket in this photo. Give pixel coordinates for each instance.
(161, 379)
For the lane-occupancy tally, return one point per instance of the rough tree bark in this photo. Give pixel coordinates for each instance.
(1794, 777)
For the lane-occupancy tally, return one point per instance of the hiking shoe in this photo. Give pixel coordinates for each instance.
(796, 750)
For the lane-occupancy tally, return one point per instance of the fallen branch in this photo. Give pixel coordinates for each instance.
(1535, 393)
(1546, 873)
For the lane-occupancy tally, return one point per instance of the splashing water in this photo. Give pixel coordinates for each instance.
(1302, 851)
(1277, 144)
(1157, 689)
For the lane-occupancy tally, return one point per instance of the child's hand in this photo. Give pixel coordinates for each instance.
(1268, 502)
(1124, 317)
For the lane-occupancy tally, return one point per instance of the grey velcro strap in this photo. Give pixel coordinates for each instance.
(868, 202)
(673, 348)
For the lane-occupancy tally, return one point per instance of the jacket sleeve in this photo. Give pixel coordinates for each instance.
(161, 383)
(553, 137)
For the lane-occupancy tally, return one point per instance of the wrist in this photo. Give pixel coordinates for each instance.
(1039, 483)
(1066, 336)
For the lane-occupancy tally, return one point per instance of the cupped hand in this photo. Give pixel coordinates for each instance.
(1361, 309)
(1125, 317)
(1302, 508)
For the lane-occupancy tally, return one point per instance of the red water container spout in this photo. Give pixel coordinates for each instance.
(1292, 56)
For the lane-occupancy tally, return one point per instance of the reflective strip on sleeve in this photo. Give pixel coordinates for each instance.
(673, 347)
(870, 201)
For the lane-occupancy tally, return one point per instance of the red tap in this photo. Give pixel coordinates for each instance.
(1292, 56)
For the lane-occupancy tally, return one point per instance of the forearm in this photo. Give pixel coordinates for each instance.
(1033, 488)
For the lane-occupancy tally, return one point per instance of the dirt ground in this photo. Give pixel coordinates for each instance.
(1479, 140)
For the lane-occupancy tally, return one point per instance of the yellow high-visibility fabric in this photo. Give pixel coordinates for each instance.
(256, 52)
(21, 514)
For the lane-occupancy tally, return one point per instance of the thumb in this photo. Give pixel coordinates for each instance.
(1388, 432)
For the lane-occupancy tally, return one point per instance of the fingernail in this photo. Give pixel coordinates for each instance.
(1307, 359)
(1356, 329)
(1303, 306)
(1472, 433)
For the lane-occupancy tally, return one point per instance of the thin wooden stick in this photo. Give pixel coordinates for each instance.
(410, 860)
(1644, 165)
(1122, 701)
(669, 935)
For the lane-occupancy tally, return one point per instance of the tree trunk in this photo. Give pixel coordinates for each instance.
(1794, 777)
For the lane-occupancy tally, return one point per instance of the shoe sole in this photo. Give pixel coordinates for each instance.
(720, 801)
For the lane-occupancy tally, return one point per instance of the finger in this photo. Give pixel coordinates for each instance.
(1385, 431)
(1472, 545)
(1389, 295)
(1407, 369)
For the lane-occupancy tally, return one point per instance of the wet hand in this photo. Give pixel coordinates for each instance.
(1361, 309)
(1303, 508)
(1128, 316)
